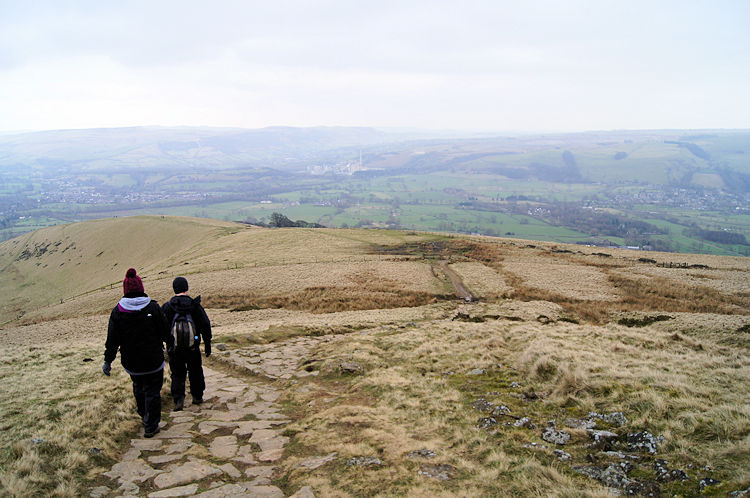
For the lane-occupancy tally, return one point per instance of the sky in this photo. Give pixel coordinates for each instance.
(471, 65)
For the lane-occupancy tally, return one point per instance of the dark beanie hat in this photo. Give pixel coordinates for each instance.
(132, 282)
(180, 285)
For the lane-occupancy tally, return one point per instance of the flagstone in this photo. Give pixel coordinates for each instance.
(224, 447)
(188, 490)
(132, 471)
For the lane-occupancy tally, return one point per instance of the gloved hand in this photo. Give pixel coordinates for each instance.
(207, 347)
(107, 368)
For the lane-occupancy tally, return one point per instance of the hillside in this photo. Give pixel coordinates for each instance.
(350, 362)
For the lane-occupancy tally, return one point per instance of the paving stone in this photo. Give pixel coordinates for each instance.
(268, 439)
(231, 470)
(176, 431)
(224, 447)
(245, 455)
(188, 490)
(159, 459)
(146, 444)
(132, 471)
(259, 471)
(270, 455)
(99, 491)
(270, 396)
(128, 489)
(178, 446)
(194, 470)
(209, 426)
(131, 454)
(305, 492)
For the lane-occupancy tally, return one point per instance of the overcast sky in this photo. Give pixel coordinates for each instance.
(491, 65)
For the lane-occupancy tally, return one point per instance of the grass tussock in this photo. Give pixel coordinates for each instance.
(81, 419)
(329, 299)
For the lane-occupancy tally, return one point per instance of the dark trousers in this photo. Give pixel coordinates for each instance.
(147, 392)
(182, 363)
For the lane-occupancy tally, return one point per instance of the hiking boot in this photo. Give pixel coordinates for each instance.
(152, 433)
(179, 405)
(197, 401)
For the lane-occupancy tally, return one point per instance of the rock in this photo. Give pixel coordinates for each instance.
(515, 385)
(644, 441)
(602, 439)
(313, 463)
(500, 410)
(242, 490)
(350, 367)
(99, 491)
(423, 453)
(524, 422)
(270, 455)
(146, 444)
(305, 492)
(486, 423)
(665, 474)
(131, 471)
(440, 472)
(159, 459)
(483, 405)
(230, 470)
(580, 423)
(476, 371)
(188, 490)
(562, 455)
(552, 435)
(614, 476)
(745, 493)
(364, 461)
(616, 419)
(128, 489)
(708, 481)
(220, 346)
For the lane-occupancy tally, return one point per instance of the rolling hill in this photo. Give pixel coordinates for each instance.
(570, 370)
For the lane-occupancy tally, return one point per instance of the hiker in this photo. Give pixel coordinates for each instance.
(137, 328)
(189, 323)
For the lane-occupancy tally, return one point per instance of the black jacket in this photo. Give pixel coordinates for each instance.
(139, 336)
(186, 304)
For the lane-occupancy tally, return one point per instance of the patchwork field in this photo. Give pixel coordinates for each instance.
(570, 371)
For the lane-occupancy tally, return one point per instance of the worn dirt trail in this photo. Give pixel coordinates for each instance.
(458, 284)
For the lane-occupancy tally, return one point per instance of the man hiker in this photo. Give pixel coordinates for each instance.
(189, 323)
(137, 328)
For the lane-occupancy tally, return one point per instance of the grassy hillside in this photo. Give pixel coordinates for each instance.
(386, 363)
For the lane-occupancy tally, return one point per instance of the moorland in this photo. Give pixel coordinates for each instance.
(666, 190)
(567, 370)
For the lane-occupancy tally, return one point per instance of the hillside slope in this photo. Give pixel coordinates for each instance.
(573, 371)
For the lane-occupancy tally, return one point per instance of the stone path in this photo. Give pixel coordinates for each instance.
(284, 360)
(225, 447)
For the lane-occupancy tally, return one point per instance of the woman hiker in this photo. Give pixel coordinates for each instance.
(137, 327)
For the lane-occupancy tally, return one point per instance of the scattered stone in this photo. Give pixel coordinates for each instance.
(440, 472)
(616, 419)
(602, 439)
(664, 473)
(476, 371)
(483, 405)
(515, 385)
(552, 435)
(132, 471)
(500, 410)
(305, 492)
(364, 461)
(745, 493)
(220, 346)
(99, 491)
(37, 440)
(580, 423)
(562, 455)
(614, 476)
(188, 490)
(423, 453)
(524, 422)
(350, 367)
(313, 463)
(644, 441)
(486, 423)
(535, 446)
(708, 481)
